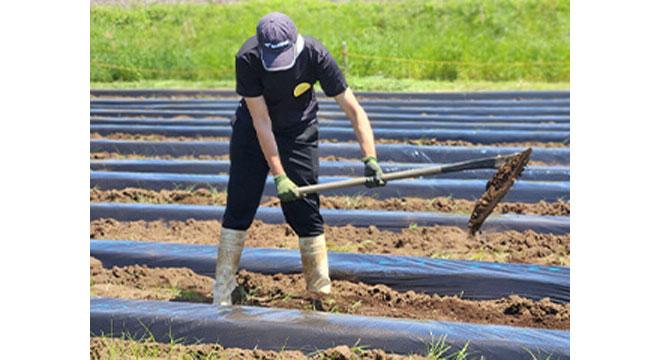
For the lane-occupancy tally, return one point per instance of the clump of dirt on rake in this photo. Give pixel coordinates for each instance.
(204, 196)
(431, 241)
(496, 188)
(288, 291)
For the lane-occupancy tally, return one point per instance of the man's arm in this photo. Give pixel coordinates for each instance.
(286, 189)
(262, 124)
(359, 120)
(365, 136)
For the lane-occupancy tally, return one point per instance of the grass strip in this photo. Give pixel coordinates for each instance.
(447, 41)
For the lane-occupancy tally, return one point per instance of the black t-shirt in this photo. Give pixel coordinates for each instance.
(289, 94)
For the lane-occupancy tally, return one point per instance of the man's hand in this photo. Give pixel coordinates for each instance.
(373, 171)
(286, 189)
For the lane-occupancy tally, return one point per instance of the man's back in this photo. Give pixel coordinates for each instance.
(289, 94)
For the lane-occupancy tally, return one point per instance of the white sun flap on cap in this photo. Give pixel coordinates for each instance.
(300, 45)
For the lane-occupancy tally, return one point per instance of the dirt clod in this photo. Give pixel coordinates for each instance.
(340, 353)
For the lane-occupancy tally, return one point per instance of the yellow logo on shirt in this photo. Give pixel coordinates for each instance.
(301, 88)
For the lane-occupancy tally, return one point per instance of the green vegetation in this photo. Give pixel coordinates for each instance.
(346, 248)
(128, 347)
(146, 347)
(394, 45)
(438, 349)
(186, 295)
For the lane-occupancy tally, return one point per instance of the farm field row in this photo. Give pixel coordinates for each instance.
(157, 196)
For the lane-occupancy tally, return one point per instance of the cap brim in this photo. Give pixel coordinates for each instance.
(276, 60)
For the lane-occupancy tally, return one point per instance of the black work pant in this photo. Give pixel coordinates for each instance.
(298, 149)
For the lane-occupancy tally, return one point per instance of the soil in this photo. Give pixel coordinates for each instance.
(120, 349)
(104, 155)
(288, 291)
(433, 241)
(132, 195)
(155, 137)
(443, 204)
(204, 196)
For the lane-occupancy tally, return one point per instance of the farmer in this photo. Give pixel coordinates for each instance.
(276, 129)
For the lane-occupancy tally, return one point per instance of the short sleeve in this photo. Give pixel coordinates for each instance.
(329, 74)
(248, 81)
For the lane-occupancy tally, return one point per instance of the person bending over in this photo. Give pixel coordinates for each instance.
(276, 130)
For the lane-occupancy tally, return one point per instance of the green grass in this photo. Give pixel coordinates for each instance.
(346, 248)
(432, 44)
(148, 348)
(186, 295)
(439, 349)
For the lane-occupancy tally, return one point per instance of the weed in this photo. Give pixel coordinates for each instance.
(538, 355)
(247, 296)
(215, 194)
(354, 201)
(358, 349)
(354, 306)
(187, 295)
(368, 242)
(347, 248)
(444, 255)
(439, 349)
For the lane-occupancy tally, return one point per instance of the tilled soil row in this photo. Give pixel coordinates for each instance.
(431, 141)
(435, 241)
(120, 349)
(204, 196)
(155, 137)
(288, 291)
(104, 155)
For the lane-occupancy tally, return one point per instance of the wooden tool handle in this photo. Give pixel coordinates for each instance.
(485, 163)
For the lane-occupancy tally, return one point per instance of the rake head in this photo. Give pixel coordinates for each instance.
(497, 187)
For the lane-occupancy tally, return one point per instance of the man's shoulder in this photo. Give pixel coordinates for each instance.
(249, 48)
(313, 44)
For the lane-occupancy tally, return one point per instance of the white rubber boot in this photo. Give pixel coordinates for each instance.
(315, 263)
(229, 254)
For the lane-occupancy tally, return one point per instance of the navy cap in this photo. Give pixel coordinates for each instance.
(279, 42)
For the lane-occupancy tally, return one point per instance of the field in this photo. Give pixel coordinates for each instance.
(409, 282)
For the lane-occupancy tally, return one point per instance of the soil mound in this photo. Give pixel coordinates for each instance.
(288, 291)
(205, 196)
(433, 241)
